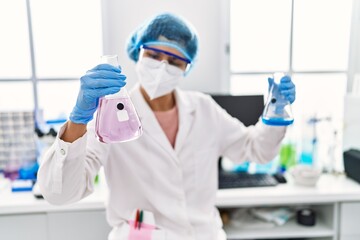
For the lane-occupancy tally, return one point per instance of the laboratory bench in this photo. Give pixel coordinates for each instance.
(336, 200)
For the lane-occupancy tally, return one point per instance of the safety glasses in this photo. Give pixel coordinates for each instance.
(162, 55)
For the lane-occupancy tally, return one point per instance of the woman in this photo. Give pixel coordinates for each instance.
(171, 170)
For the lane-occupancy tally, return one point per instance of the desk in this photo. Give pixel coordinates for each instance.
(329, 189)
(335, 198)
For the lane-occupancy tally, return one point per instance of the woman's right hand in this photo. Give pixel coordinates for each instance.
(104, 79)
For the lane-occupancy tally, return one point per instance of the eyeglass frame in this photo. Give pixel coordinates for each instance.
(187, 61)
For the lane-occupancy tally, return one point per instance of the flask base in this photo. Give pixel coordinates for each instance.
(277, 121)
(118, 140)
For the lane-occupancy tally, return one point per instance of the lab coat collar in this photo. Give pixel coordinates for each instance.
(153, 128)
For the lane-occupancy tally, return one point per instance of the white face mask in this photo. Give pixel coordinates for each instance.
(158, 78)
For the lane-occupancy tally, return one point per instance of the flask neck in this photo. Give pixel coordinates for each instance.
(123, 93)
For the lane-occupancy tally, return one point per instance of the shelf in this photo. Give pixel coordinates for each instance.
(290, 230)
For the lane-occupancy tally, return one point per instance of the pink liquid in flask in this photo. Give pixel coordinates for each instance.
(117, 120)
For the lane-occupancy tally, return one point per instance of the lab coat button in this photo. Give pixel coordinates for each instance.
(62, 151)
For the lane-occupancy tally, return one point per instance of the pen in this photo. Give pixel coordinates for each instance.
(140, 218)
(136, 218)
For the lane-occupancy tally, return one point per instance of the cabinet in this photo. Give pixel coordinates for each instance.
(27, 226)
(335, 199)
(89, 225)
(349, 221)
(24, 217)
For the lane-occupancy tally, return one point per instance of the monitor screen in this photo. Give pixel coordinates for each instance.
(246, 108)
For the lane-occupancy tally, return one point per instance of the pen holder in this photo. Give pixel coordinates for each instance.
(144, 232)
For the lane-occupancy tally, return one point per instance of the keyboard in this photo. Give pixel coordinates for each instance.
(243, 179)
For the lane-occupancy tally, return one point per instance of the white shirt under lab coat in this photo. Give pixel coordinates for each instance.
(178, 184)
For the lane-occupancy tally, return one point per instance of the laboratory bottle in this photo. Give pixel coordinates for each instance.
(310, 141)
(277, 111)
(116, 119)
(11, 169)
(288, 150)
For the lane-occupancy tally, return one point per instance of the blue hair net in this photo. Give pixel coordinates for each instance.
(167, 30)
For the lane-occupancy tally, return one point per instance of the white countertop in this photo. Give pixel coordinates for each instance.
(328, 189)
(25, 202)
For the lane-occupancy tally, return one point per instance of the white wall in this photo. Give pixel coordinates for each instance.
(120, 18)
(354, 52)
(211, 71)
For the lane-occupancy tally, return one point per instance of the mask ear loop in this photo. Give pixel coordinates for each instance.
(141, 53)
(187, 69)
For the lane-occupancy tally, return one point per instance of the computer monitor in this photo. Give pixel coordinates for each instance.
(246, 108)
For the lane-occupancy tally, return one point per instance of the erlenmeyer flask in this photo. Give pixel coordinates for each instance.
(277, 111)
(117, 120)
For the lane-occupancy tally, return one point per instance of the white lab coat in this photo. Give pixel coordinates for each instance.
(178, 185)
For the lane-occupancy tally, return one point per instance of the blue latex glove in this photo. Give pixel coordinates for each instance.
(104, 79)
(286, 87)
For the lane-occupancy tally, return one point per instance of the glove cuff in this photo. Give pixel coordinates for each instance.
(80, 116)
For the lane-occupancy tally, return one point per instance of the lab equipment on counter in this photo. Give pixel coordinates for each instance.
(310, 142)
(21, 185)
(287, 156)
(352, 164)
(288, 151)
(305, 175)
(17, 142)
(277, 111)
(117, 120)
